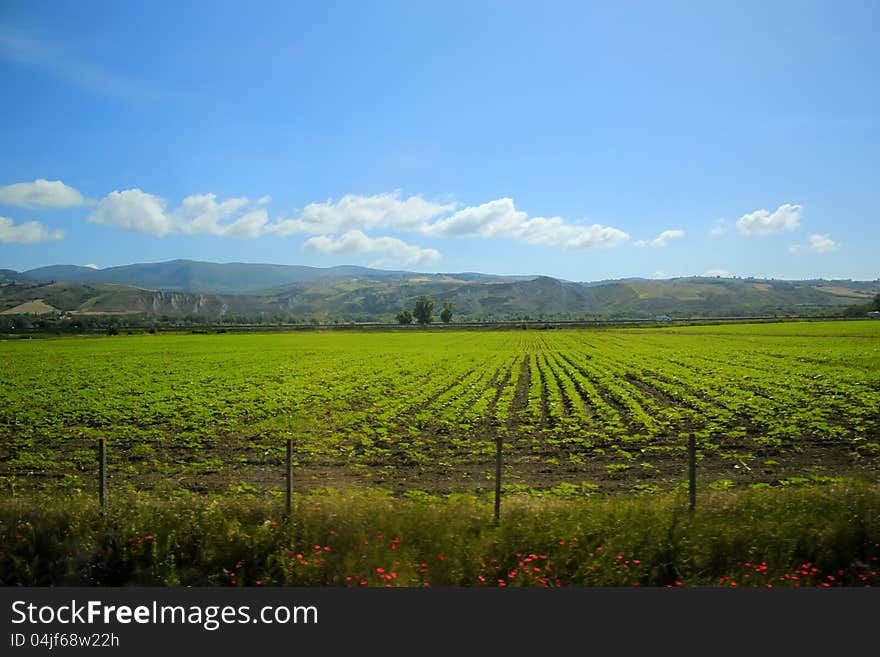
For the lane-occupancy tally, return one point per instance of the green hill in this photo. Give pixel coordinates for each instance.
(244, 292)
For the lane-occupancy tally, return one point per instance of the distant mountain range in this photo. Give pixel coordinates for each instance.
(206, 291)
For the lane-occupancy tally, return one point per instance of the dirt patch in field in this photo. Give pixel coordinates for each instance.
(35, 307)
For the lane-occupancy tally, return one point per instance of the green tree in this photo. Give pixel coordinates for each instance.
(404, 317)
(446, 313)
(877, 301)
(424, 309)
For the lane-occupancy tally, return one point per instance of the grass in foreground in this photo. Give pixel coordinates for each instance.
(811, 536)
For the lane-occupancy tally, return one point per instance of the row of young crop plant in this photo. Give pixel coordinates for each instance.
(372, 399)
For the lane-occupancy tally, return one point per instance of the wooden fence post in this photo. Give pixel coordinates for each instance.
(498, 444)
(102, 473)
(692, 472)
(289, 502)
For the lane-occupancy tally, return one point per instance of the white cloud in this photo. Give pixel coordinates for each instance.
(500, 218)
(31, 232)
(819, 243)
(92, 265)
(134, 210)
(585, 237)
(355, 241)
(198, 214)
(719, 227)
(354, 211)
(723, 273)
(201, 213)
(823, 243)
(250, 225)
(662, 239)
(41, 194)
(785, 218)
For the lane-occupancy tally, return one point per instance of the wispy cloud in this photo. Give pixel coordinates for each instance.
(662, 239)
(786, 218)
(41, 194)
(30, 232)
(30, 51)
(723, 273)
(818, 243)
(719, 227)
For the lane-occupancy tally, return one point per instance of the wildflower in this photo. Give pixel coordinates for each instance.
(259, 582)
(441, 557)
(380, 570)
(149, 537)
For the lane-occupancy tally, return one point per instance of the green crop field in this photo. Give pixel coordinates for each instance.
(578, 411)
(394, 438)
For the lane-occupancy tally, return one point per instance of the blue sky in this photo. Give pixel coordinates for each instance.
(579, 140)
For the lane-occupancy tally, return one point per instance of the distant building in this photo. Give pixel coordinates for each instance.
(874, 314)
(663, 318)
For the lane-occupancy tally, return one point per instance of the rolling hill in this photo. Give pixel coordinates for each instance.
(183, 289)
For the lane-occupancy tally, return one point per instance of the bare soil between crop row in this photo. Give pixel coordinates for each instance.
(230, 467)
